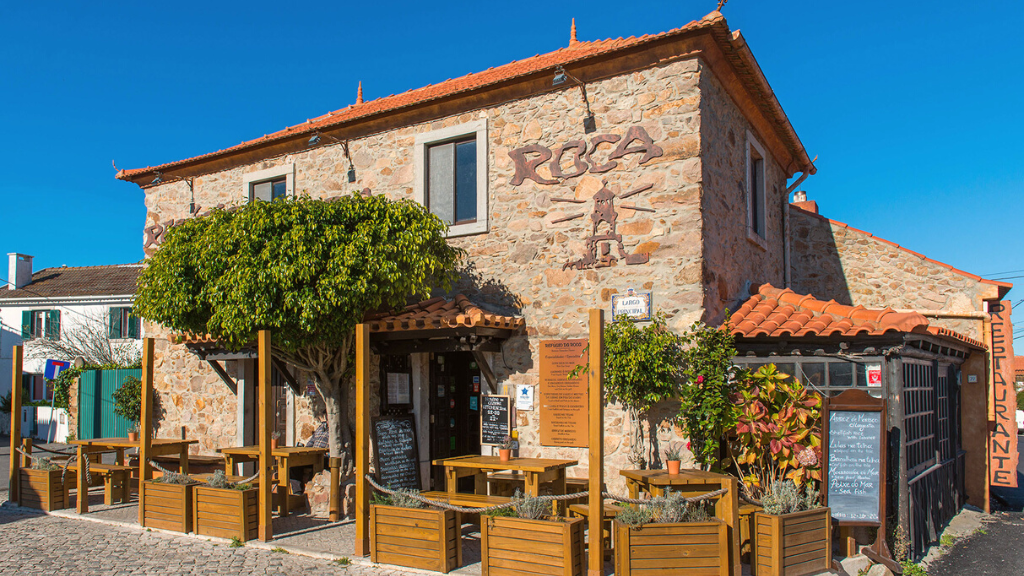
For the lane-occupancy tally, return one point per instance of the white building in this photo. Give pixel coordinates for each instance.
(62, 304)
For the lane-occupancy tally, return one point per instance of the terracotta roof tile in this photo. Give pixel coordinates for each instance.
(778, 313)
(436, 313)
(731, 42)
(64, 282)
(839, 224)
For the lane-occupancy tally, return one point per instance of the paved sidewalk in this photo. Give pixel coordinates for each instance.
(997, 549)
(39, 544)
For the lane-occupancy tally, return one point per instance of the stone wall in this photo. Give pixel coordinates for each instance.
(519, 266)
(833, 261)
(733, 256)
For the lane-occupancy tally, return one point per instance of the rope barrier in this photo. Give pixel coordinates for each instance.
(554, 498)
(64, 470)
(197, 480)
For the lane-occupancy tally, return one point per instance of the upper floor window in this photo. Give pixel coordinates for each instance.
(269, 184)
(122, 324)
(451, 166)
(755, 188)
(40, 324)
(268, 190)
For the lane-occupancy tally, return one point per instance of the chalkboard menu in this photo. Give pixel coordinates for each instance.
(495, 419)
(395, 452)
(854, 474)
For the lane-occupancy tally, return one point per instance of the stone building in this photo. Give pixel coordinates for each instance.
(672, 144)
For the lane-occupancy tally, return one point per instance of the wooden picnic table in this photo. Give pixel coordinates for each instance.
(161, 447)
(536, 471)
(287, 457)
(694, 483)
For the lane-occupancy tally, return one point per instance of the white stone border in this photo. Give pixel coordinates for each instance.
(752, 234)
(286, 170)
(479, 127)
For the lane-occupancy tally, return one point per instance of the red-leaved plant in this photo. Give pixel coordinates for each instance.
(778, 432)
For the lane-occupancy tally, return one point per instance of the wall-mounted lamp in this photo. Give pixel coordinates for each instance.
(317, 137)
(190, 182)
(158, 179)
(589, 122)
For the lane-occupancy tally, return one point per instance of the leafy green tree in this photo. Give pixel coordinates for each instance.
(706, 410)
(641, 368)
(128, 399)
(308, 271)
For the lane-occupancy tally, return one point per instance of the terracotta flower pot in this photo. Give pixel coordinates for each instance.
(133, 436)
(504, 454)
(673, 466)
(273, 443)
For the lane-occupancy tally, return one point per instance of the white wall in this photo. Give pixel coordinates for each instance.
(72, 313)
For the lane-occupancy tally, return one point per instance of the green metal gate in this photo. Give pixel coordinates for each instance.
(96, 417)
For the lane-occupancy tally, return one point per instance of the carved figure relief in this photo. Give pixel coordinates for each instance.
(604, 233)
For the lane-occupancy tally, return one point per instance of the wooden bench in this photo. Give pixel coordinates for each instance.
(467, 500)
(608, 514)
(116, 481)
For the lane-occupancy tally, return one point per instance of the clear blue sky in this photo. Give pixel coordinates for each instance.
(914, 108)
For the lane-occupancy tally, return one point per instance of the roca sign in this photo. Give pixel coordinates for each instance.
(585, 156)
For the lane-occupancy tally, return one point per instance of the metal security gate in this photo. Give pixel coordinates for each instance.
(935, 458)
(96, 417)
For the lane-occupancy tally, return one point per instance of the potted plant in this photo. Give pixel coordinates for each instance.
(128, 404)
(45, 486)
(404, 532)
(777, 453)
(274, 439)
(526, 538)
(673, 459)
(225, 509)
(168, 502)
(505, 449)
(670, 536)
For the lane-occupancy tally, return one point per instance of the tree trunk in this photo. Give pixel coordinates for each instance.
(636, 442)
(339, 434)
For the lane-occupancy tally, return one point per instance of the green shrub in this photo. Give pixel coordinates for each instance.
(128, 399)
(44, 464)
(403, 499)
(529, 507)
(174, 478)
(785, 497)
(635, 516)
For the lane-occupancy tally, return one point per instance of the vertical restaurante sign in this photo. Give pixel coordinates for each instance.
(563, 402)
(1003, 439)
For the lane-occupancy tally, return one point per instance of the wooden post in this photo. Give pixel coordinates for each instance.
(26, 448)
(362, 544)
(145, 432)
(15, 468)
(266, 404)
(596, 443)
(335, 503)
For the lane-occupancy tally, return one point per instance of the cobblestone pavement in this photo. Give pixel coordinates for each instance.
(47, 545)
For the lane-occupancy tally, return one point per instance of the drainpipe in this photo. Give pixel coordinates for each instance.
(973, 315)
(787, 274)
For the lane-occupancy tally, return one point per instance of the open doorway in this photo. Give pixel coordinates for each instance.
(455, 385)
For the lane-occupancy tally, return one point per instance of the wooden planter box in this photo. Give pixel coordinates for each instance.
(416, 538)
(687, 548)
(226, 512)
(516, 546)
(168, 506)
(793, 544)
(43, 489)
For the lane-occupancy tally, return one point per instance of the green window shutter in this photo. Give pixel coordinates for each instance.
(26, 324)
(133, 327)
(115, 323)
(53, 324)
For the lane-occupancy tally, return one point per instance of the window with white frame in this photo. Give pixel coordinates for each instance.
(451, 167)
(270, 184)
(755, 188)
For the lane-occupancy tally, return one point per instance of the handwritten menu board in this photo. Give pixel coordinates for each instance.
(395, 452)
(854, 465)
(563, 402)
(495, 419)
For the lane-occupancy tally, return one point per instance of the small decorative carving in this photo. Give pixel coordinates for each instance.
(604, 220)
